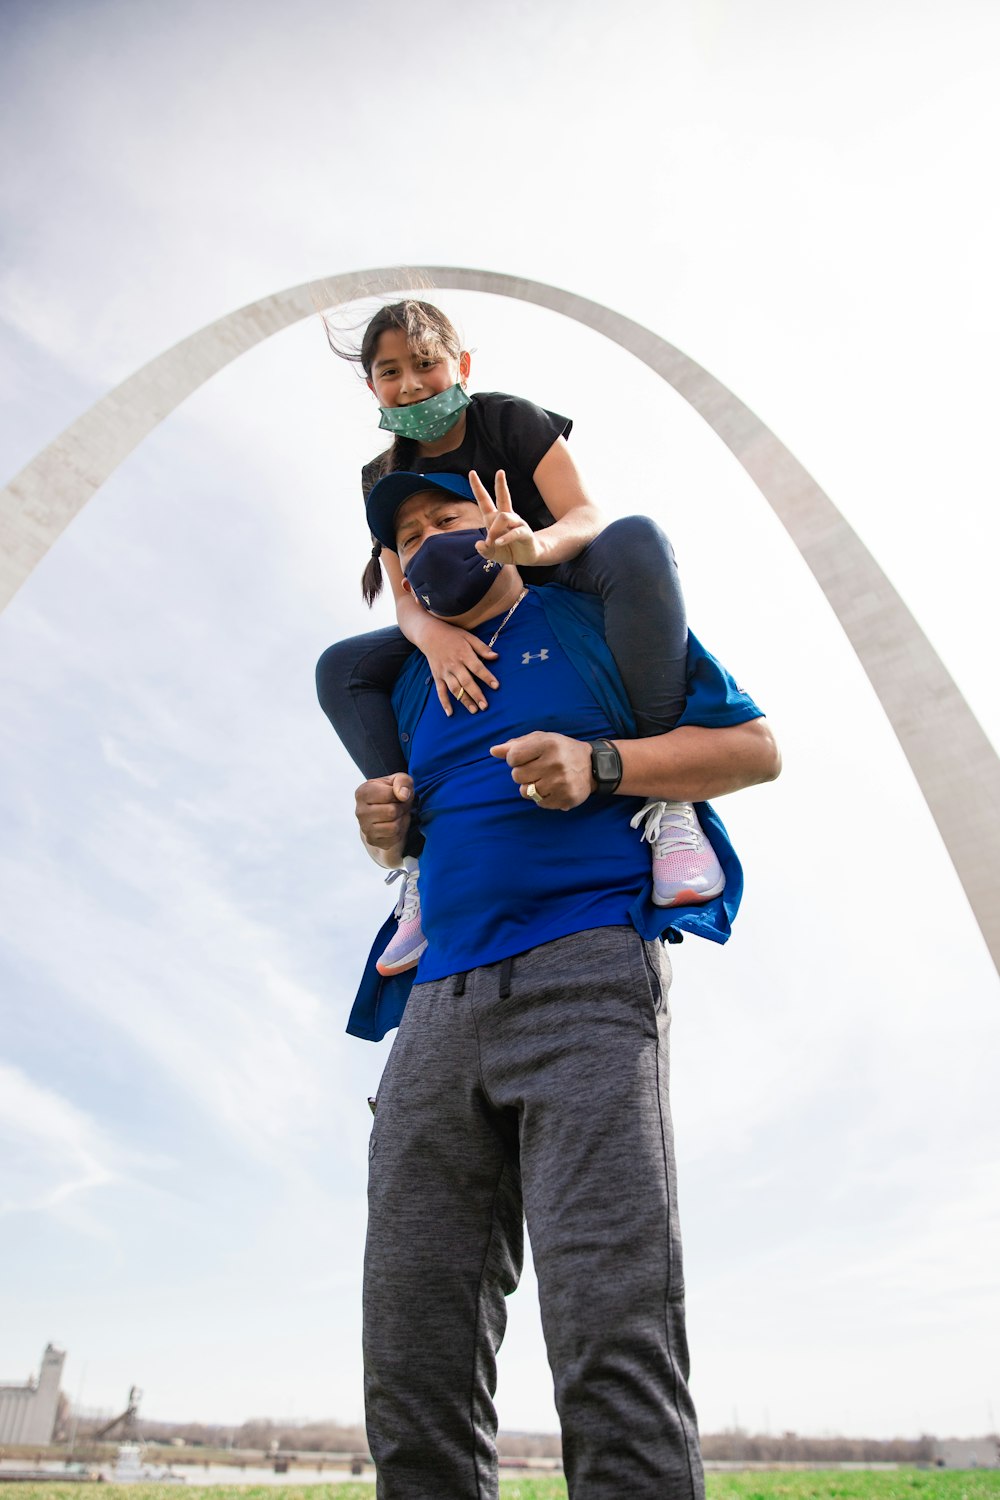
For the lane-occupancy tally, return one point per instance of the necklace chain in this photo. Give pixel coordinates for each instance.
(489, 643)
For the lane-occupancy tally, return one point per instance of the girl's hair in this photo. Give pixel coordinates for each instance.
(428, 331)
(425, 326)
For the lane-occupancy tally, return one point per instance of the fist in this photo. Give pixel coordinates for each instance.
(555, 766)
(382, 808)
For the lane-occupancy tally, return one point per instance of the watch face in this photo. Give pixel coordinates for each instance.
(607, 767)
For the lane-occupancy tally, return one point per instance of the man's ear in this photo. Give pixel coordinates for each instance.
(407, 585)
(464, 364)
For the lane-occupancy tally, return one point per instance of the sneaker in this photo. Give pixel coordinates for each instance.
(685, 869)
(408, 942)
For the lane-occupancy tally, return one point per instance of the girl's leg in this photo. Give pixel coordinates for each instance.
(354, 683)
(632, 566)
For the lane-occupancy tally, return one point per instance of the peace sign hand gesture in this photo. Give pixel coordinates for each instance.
(508, 538)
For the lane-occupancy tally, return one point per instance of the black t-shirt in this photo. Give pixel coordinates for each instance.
(501, 432)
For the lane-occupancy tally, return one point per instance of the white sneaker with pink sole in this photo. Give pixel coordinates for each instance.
(686, 871)
(408, 941)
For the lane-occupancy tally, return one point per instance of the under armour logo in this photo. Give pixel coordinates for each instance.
(426, 600)
(542, 655)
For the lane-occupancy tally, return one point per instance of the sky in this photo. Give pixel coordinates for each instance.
(800, 197)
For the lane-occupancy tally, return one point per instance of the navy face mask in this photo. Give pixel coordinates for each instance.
(448, 575)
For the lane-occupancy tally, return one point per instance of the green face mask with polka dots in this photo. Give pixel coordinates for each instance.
(426, 421)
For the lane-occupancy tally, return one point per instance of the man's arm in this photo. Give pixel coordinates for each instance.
(694, 764)
(689, 764)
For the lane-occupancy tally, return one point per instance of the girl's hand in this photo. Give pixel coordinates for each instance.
(508, 538)
(457, 660)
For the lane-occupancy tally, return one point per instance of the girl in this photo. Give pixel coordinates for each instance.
(417, 370)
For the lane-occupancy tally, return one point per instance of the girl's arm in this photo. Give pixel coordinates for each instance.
(577, 519)
(457, 658)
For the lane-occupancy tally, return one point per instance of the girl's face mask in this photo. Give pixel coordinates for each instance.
(426, 421)
(447, 574)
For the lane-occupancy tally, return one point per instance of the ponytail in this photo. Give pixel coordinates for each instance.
(371, 578)
(401, 455)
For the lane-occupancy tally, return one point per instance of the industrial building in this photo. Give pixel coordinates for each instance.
(28, 1412)
(968, 1453)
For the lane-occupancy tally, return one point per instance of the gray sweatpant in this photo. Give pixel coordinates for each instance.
(534, 1088)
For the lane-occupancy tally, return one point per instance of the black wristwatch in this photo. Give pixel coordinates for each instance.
(606, 764)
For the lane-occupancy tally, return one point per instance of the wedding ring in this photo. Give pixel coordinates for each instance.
(459, 695)
(532, 791)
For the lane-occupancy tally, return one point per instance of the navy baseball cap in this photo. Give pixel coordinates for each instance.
(385, 498)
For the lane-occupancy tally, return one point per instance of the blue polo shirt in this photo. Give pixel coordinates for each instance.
(499, 875)
(714, 700)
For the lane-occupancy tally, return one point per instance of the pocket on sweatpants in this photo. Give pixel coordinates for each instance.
(658, 974)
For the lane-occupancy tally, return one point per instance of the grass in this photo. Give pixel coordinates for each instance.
(823, 1484)
(857, 1484)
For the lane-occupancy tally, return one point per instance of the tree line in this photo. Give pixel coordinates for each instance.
(263, 1434)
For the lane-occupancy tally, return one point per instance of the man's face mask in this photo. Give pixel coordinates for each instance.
(426, 421)
(448, 575)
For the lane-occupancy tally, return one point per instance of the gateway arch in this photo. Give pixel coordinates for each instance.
(954, 763)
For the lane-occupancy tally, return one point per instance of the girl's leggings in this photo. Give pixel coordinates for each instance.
(630, 564)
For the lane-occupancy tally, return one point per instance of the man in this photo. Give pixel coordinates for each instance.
(529, 1076)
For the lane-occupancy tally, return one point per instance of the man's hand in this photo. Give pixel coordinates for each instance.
(557, 767)
(382, 808)
(508, 538)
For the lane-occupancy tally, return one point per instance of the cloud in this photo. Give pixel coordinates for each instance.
(120, 762)
(53, 1150)
(153, 944)
(184, 896)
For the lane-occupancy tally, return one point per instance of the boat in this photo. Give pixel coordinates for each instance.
(129, 1468)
